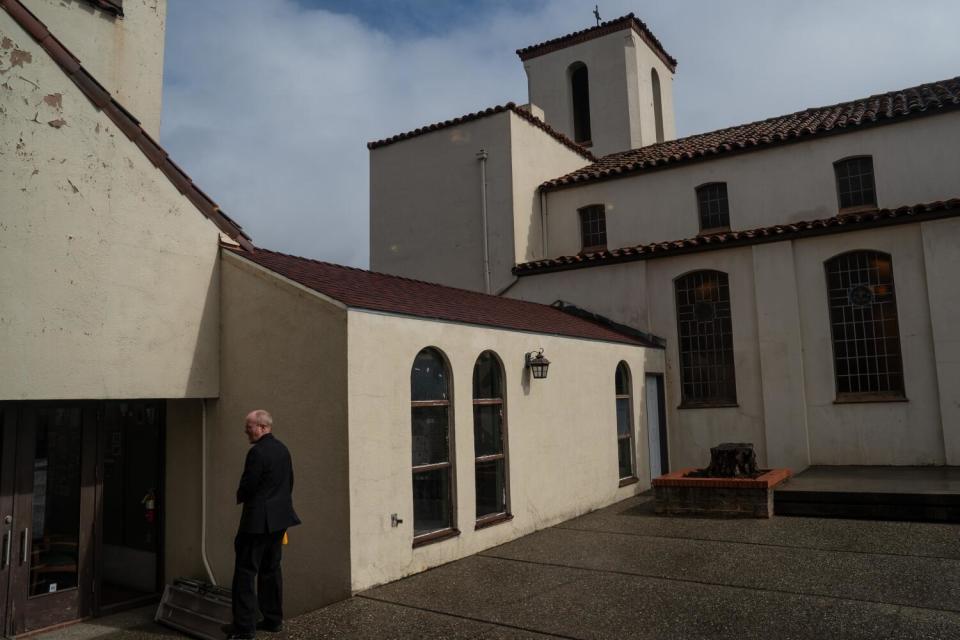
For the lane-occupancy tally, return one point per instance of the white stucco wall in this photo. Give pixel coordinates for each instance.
(915, 161)
(621, 104)
(535, 158)
(108, 276)
(125, 54)
(425, 200)
(561, 436)
(425, 205)
(783, 348)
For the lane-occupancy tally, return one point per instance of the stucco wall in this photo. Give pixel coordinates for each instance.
(425, 205)
(182, 495)
(284, 350)
(915, 161)
(621, 103)
(871, 433)
(535, 158)
(561, 436)
(124, 54)
(108, 276)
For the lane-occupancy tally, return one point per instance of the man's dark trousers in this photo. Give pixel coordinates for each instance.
(257, 578)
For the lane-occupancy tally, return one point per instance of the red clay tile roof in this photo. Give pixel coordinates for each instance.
(895, 106)
(124, 121)
(510, 106)
(610, 26)
(113, 6)
(363, 289)
(729, 239)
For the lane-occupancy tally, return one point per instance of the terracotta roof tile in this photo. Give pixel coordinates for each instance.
(123, 119)
(894, 106)
(729, 239)
(611, 26)
(363, 289)
(510, 106)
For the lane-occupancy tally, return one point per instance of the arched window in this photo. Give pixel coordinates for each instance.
(855, 185)
(432, 446)
(657, 104)
(489, 440)
(863, 322)
(580, 92)
(713, 206)
(624, 423)
(707, 375)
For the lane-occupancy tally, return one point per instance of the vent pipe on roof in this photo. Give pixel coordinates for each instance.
(482, 156)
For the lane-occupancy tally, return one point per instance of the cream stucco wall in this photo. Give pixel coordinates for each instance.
(783, 349)
(535, 157)
(561, 436)
(425, 200)
(621, 99)
(125, 54)
(915, 161)
(108, 276)
(285, 350)
(181, 497)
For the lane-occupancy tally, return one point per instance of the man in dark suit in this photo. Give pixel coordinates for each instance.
(265, 492)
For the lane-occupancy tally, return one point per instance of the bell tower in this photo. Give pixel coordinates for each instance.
(609, 88)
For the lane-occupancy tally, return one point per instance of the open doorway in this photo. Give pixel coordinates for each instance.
(131, 449)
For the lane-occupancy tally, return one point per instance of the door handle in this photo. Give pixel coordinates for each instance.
(24, 544)
(7, 538)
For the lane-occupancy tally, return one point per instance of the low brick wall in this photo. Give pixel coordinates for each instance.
(721, 497)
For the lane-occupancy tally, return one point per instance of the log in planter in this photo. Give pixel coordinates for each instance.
(731, 486)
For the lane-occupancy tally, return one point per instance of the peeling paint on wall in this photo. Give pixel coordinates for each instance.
(55, 100)
(18, 57)
(56, 124)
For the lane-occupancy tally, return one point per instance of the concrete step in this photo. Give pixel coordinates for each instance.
(923, 506)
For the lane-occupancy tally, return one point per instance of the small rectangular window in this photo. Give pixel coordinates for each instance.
(713, 206)
(855, 186)
(593, 228)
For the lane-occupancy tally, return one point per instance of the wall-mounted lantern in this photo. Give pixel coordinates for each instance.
(537, 364)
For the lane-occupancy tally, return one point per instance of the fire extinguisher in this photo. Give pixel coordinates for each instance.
(149, 503)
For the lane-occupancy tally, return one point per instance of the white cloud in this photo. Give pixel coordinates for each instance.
(269, 105)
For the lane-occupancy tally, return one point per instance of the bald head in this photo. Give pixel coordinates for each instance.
(258, 424)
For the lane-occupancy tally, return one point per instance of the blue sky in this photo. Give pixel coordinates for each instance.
(268, 104)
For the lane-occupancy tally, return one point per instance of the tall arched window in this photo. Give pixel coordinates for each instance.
(433, 512)
(489, 440)
(657, 103)
(863, 322)
(580, 92)
(707, 375)
(624, 423)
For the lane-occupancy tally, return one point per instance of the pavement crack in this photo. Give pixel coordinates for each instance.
(470, 618)
(802, 594)
(758, 544)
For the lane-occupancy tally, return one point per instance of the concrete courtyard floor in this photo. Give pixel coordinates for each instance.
(623, 572)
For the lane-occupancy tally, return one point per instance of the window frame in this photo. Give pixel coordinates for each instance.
(580, 115)
(505, 515)
(450, 531)
(892, 394)
(582, 212)
(632, 477)
(699, 191)
(854, 208)
(725, 334)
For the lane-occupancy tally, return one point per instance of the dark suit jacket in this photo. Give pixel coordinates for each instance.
(266, 487)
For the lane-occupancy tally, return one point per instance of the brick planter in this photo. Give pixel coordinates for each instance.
(723, 497)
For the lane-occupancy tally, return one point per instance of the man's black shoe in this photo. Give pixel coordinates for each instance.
(270, 627)
(233, 634)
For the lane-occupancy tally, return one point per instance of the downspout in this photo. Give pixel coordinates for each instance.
(482, 156)
(543, 224)
(203, 495)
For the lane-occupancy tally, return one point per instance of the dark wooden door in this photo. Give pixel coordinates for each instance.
(51, 568)
(7, 456)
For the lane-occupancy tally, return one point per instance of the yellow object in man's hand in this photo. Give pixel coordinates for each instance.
(285, 539)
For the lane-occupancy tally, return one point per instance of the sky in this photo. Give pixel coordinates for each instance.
(269, 104)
